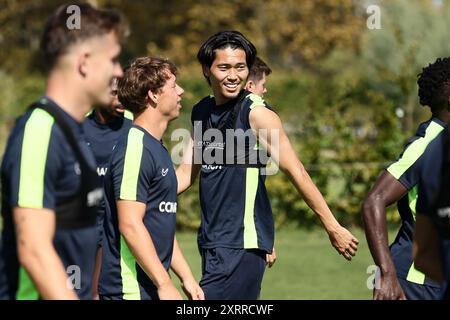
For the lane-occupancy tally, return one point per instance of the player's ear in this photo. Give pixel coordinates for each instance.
(152, 96)
(206, 72)
(249, 85)
(82, 63)
(81, 55)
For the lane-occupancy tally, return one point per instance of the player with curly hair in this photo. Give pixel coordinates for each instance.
(400, 182)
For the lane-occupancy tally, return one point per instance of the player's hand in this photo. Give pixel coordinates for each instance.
(168, 291)
(192, 290)
(344, 242)
(271, 258)
(388, 288)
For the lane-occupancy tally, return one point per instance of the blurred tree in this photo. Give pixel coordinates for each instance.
(307, 32)
(344, 133)
(21, 25)
(292, 34)
(413, 34)
(336, 84)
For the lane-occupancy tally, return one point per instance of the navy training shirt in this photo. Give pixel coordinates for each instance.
(39, 170)
(102, 137)
(407, 171)
(429, 188)
(140, 170)
(235, 207)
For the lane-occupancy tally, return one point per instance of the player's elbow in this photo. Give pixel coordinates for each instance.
(183, 185)
(192, 178)
(26, 257)
(302, 171)
(294, 170)
(367, 205)
(30, 253)
(368, 208)
(128, 227)
(184, 179)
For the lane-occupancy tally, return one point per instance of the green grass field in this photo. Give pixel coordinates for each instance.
(307, 267)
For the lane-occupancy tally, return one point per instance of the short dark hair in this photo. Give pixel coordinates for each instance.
(434, 84)
(58, 37)
(143, 74)
(258, 69)
(225, 39)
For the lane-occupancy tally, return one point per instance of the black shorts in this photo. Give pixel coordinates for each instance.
(232, 274)
(414, 291)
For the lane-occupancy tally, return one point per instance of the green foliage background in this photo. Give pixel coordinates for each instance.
(347, 95)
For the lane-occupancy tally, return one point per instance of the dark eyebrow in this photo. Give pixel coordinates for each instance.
(229, 65)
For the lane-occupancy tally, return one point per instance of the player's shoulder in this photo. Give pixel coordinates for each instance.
(138, 141)
(34, 117)
(202, 106)
(426, 143)
(254, 100)
(38, 127)
(89, 123)
(128, 115)
(435, 147)
(35, 136)
(430, 128)
(126, 126)
(426, 133)
(124, 140)
(261, 110)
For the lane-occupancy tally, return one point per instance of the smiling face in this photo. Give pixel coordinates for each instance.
(116, 107)
(227, 74)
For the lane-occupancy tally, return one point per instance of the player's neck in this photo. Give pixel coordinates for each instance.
(220, 101)
(442, 115)
(62, 89)
(152, 123)
(105, 117)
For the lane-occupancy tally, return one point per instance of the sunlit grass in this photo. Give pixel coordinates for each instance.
(307, 267)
